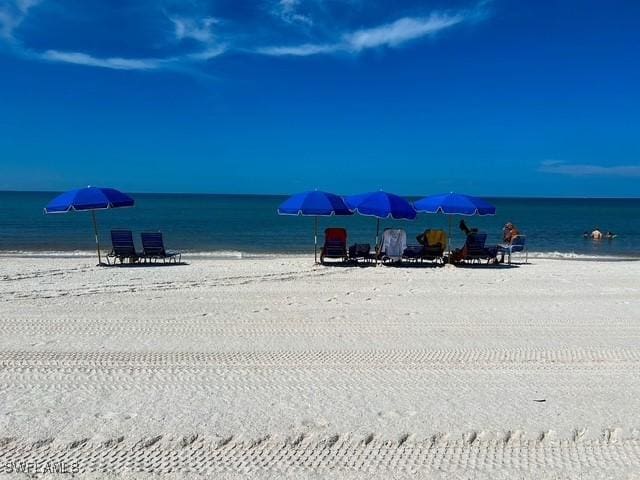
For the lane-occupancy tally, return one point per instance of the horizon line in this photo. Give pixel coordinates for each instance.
(543, 197)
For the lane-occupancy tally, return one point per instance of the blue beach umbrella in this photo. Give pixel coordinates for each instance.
(89, 199)
(454, 204)
(317, 204)
(381, 205)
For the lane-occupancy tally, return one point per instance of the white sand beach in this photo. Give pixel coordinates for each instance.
(273, 367)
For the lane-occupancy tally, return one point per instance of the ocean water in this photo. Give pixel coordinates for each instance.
(244, 225)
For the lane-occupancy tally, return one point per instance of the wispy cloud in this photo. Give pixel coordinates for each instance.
(199, 38)
(401, 31)
(390, 35)
(12, 15)
(185, 28)
(287, 11)
(207, 54)
(116, 63)
(298, 50)
(196, 28)
(585, 170)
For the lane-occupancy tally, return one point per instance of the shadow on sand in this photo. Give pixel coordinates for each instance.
(144, 265)
(422, 265)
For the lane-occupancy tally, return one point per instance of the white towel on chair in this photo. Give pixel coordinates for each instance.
(394, 241)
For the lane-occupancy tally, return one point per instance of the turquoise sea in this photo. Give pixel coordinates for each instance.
(238, 225)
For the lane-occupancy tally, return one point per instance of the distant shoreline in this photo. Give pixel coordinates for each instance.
(242, 255)
(284, 195)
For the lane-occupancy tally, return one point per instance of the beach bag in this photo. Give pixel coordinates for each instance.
(413, 251)
(359, 250)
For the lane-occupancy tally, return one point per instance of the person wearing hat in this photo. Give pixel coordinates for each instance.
(509, 232)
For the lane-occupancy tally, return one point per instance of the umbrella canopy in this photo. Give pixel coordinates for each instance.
(89, 199)
(381, 205)
(317, 204)
(454, 204)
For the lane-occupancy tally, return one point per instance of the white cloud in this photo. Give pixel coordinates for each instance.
(400, 31)
(7, 24)
(206, 54)
(12, 14)
(204, 30)
(584, 170)
(299, 50)
(390, 35)
(116, 63)
(287, 11)
(25, 5)
(196, 28)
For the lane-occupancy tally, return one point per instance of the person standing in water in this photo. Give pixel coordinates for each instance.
(597, 234)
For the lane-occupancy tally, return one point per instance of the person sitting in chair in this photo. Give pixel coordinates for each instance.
(509, 233)
(465, 229)
(460, 253)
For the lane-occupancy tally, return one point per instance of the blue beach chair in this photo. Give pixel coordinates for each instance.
(153, 249)
(518, 245)
(475, 250)
(359, 251)
(122, 247)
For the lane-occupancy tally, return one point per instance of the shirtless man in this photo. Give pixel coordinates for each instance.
(509, 232)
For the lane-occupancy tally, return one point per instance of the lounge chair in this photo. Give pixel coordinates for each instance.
(335, 244)
(394, 243)
(122, 247)
(360, 251)
(475, 250)
(517, 245)
(432, 248)
(153, 248)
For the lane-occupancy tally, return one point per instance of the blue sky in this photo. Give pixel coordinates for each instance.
(495, 97)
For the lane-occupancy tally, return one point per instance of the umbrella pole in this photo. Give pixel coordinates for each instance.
(377, 235)
(95, 231)
(449, 238)
(315, 240)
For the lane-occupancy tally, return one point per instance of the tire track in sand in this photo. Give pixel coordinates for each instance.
(467, 358)
(348, 453)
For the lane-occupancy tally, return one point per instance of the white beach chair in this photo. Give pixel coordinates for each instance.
(394, 242)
